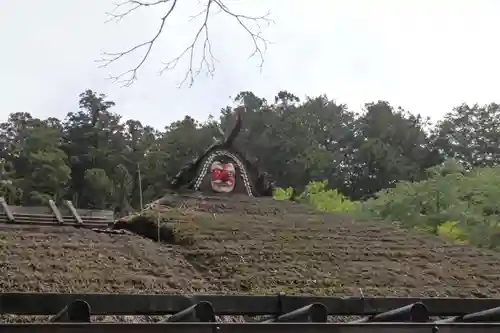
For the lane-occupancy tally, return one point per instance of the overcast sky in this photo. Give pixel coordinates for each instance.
(425, 55)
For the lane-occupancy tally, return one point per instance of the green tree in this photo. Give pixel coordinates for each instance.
(98, 188)
(471, 135)
(47, 165)
(93, 138)
(451, 197)
(387, 146)
(95, 158)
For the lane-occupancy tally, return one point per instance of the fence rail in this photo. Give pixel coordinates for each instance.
(290, 314)
(125, 304)
(251, 328)
(53, 215)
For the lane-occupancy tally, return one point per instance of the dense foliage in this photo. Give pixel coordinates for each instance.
(388, 158)
(459, 205)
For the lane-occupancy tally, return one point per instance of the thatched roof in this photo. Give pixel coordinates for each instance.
(243, 245)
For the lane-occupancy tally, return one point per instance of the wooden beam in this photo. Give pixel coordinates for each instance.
(73, 211)
(56, 211)
(250, 328)
(6, 210)
(35, 222)
(120, 304)
(52, 218)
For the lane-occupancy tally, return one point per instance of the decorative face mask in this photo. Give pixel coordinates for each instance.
(223, 177)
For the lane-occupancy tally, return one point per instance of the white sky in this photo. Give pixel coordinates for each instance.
(425, 55)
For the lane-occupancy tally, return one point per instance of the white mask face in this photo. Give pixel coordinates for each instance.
(223, 177)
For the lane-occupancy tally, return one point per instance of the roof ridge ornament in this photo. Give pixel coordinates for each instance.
(222, 169)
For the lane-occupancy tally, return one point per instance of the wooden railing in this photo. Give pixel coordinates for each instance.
(53, 215)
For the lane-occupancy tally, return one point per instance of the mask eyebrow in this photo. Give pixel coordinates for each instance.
(216, 165)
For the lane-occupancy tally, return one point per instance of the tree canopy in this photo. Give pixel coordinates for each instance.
(93, 157)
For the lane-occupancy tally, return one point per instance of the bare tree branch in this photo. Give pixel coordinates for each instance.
(126, 8)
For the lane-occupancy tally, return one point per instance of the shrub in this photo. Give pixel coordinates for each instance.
(458, 205)
(320, 197)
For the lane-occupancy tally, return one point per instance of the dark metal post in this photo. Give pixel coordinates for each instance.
(485, 316)
(77, 311)
(316, 313)
(416, 312)
(202, 312)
